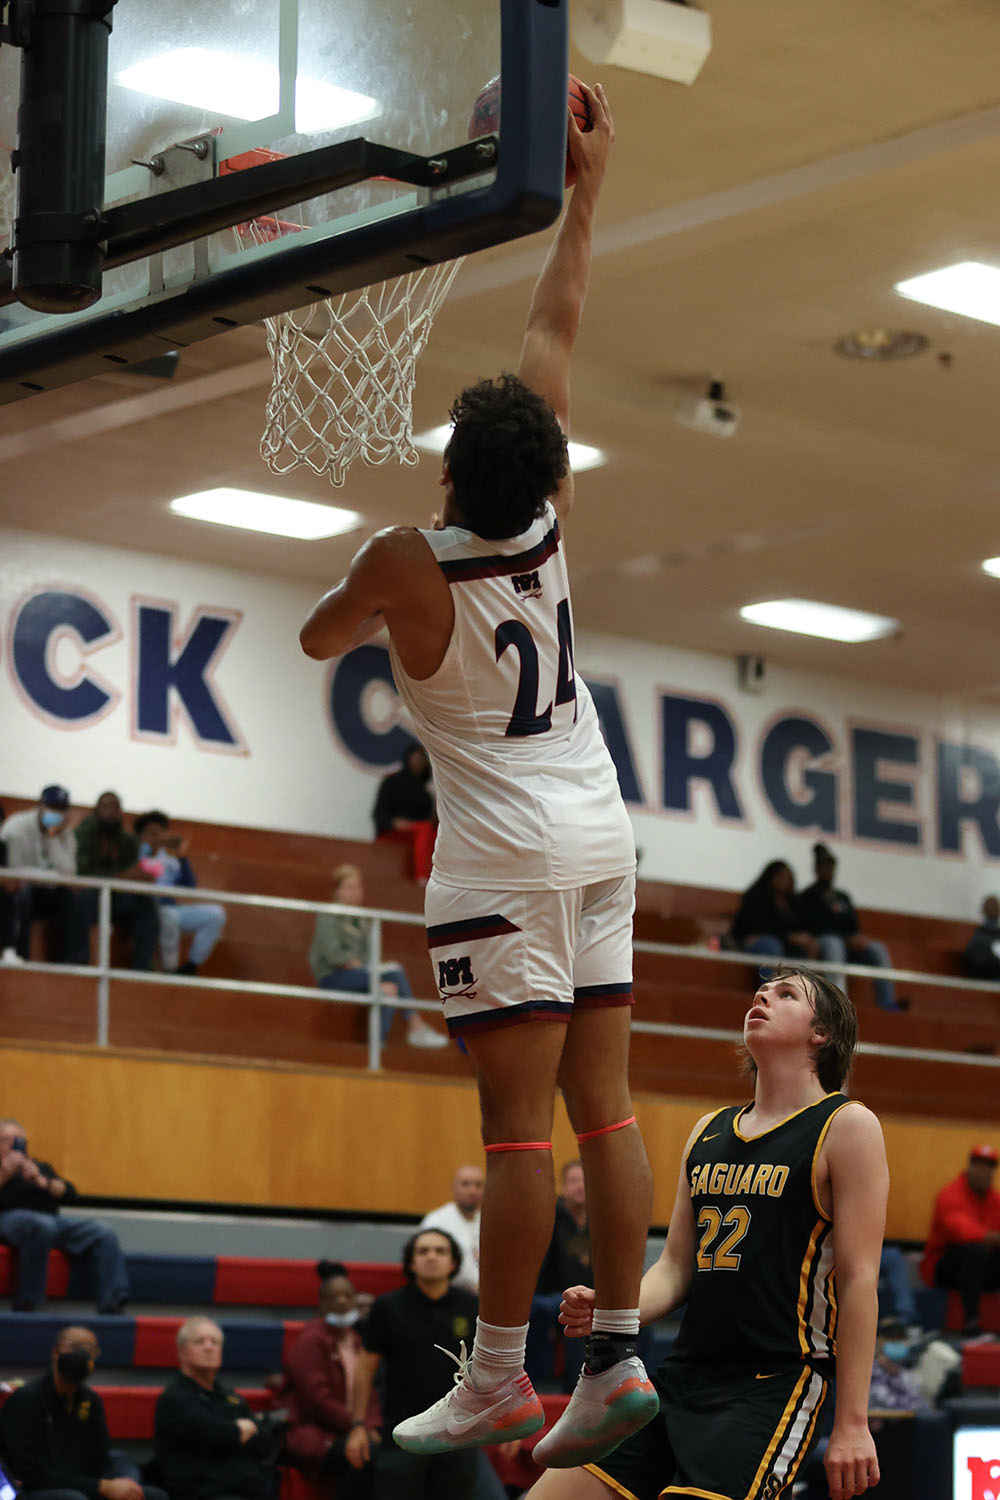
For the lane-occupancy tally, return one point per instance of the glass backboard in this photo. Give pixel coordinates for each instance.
(201, 89)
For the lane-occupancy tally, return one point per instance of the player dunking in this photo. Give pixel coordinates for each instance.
(774, 1245)
(529, 908)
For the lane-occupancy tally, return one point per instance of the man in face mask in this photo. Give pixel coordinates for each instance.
(319, 1374)
(42, 839)
(54, 1434)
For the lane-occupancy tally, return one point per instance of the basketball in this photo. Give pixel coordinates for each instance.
(485, 117)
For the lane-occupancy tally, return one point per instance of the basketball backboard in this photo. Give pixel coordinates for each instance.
(199, 92)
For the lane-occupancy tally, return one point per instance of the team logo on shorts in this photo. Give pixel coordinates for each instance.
(455, 972)
(528, 585)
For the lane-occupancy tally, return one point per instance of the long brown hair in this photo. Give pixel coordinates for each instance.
(835, 1017)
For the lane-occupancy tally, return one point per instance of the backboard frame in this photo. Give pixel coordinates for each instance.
(525, 196)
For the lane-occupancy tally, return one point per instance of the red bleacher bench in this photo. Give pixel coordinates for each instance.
(981, 1365)
(291, 1283)
(58, 1277)
(989, 1312)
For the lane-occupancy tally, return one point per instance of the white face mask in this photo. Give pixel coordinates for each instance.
(343, 1320)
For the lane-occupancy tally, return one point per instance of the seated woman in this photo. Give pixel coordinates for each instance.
(338, 958)
(319, 1375)
(768, 921)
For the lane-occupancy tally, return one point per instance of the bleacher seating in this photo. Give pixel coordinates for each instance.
(272, 946)
(213, 1279)
(981, 1366)
(989, 1312)
(256, 1341)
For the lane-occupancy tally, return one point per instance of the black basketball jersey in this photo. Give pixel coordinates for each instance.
(763, 1287)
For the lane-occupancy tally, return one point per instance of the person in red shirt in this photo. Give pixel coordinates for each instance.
(319, 1380)
(963, 1248)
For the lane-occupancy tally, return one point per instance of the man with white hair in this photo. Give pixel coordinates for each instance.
(207, 1443)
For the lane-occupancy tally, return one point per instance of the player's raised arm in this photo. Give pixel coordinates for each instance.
(859, 1182)
(557, 304)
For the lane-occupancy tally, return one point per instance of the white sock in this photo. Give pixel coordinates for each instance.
(497, 1354)
(621, 1320)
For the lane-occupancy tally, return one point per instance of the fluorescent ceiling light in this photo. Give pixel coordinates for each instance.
(970, 288)
(244, 88)
(581, 457)
(806, 617)
(992, 566)
(271, 513)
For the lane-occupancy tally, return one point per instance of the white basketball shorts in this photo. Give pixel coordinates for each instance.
(502, 957)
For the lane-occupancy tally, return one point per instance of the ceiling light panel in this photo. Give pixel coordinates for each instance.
(581, 456)
(829, 621)
(243, 88)
(970, 288)
(273, 514)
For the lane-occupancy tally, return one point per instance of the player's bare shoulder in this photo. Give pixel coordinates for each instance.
(853, 1144)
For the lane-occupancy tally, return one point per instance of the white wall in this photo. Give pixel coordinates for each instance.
(242, 731)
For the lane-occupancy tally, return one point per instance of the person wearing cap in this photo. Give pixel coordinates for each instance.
(41, 839)
(829, 915)
(963, 1247)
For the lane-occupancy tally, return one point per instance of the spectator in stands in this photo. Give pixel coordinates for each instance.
(460, 1218)
(54, 1436)
(982, 951)
(319, 1388)
(404, 810)
(415, 1333)
(8, 909)
(42, 839)
(338, 958)
(769, 921)
(829, 915)
(894, 1386)
(895, 1293)
(31, 1193)
(567, 1263)
(163, 855)
(105, 847)
(963, 1247)
(208, 1444)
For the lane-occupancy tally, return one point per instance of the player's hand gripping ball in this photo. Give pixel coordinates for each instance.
(485, 117)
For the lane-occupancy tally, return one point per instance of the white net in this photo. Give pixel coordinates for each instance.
(344, 372)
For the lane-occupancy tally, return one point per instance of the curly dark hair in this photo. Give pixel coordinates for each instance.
(506, 456)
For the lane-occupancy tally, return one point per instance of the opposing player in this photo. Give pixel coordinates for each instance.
(529, 908)
(774, 1245)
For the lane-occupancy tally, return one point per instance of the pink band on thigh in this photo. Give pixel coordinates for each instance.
(589, 1135)
(519, 1146)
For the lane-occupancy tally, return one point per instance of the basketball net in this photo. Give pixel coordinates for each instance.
(344, 369)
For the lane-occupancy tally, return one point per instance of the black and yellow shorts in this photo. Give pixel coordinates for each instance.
(724, 1432)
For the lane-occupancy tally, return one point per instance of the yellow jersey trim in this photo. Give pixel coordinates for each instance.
(781, 1431)
(819, 1146)
(612, 1484)
(749, 1139)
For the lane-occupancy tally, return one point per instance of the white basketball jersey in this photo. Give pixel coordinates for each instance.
(527, 793)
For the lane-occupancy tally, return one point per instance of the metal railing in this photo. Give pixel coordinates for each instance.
(103, 973)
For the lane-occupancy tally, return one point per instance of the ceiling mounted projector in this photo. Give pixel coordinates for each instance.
(713, 414)
(658, 37)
